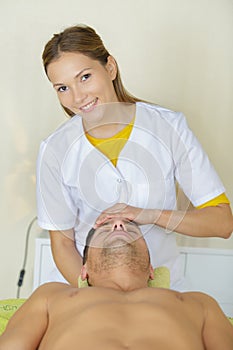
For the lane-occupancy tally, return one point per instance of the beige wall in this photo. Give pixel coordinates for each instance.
(175, 53)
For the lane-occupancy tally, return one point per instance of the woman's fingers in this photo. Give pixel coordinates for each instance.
(124, 211)
(114, 211)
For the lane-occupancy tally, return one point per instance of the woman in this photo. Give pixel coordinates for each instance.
(118, 155)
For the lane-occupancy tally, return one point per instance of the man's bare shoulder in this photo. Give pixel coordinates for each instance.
(209, 305)
(49, 289)
(200, 297)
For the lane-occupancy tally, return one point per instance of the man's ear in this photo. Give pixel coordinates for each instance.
(151, 275)
(84, 273)
(111, 67)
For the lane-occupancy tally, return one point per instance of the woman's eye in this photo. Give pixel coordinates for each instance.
(85, 77)
(62, 88)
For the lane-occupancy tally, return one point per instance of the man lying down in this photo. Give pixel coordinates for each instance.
(118, 311)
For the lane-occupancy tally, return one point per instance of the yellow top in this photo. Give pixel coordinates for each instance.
(222, 198)
(112, 146)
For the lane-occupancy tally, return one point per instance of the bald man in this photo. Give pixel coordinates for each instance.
(117, 311)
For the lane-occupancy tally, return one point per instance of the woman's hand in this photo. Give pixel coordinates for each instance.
(206, 222)
(139, 215)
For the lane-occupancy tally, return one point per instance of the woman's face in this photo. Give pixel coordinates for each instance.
(81, 82)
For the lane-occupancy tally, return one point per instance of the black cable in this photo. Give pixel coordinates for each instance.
(22, 271)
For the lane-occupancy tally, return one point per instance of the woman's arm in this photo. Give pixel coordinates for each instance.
(206, 222)
(66, 255)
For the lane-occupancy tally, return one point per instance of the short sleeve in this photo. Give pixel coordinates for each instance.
(55, 207)
(193, 169)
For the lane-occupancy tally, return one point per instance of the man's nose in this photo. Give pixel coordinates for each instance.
(118, 225)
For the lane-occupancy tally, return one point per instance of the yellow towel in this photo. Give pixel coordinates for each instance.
(7, 309)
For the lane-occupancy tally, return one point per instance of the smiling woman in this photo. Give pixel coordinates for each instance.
(85, 42)
(82, 83)
(118, 156)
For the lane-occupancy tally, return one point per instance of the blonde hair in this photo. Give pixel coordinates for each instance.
(85, 40)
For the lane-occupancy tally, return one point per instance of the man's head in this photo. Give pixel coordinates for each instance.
(117, 248)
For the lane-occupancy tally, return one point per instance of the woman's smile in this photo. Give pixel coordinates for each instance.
(82, 83)
(89, 106)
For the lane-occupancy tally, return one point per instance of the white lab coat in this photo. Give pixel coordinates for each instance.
(76, 182)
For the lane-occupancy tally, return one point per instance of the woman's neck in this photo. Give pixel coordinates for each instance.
(107, 120)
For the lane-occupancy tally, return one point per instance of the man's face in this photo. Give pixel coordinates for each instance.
(114, 233)
(117, 243)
